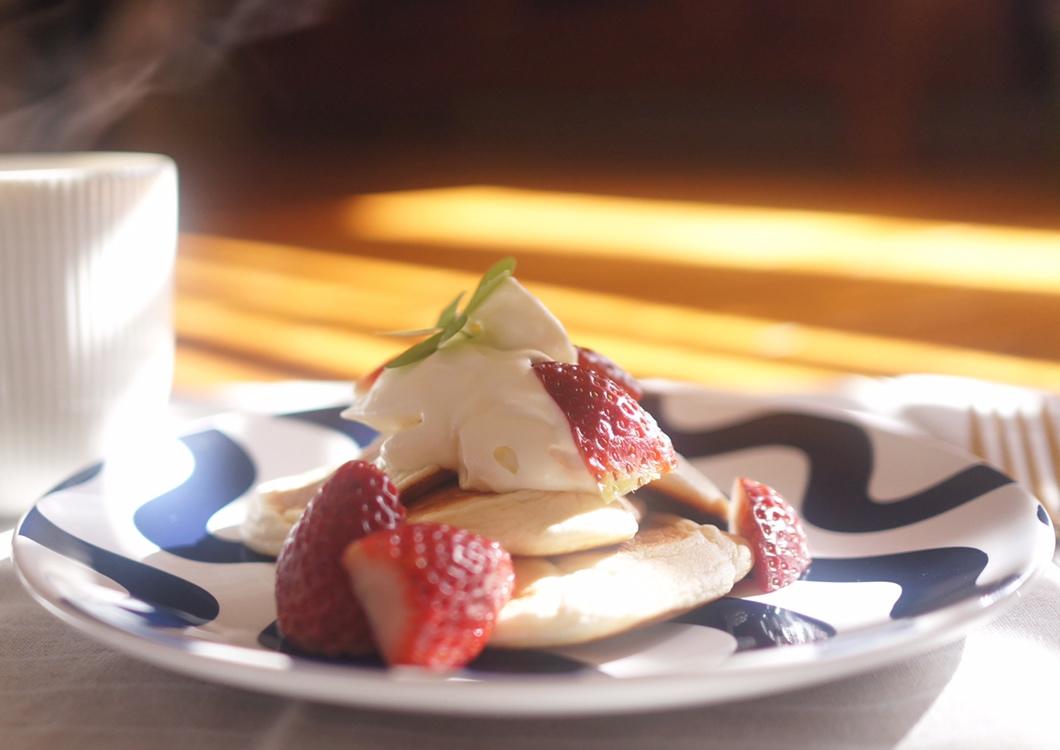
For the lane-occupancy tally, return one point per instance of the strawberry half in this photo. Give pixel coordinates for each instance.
(759, 514)
(315, 607)
(621, 444)
(431, 592)
(605, 366)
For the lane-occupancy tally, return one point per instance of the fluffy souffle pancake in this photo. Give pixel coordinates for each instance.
(692, 489)
(532, 522)
(526, 522)
(671, 566)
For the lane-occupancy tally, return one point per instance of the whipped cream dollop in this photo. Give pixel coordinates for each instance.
(476, 406)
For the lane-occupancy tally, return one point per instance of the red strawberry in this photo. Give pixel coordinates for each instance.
(314, 605)
(621, 444)
(432, 592)
(759, 514)
(605, 366)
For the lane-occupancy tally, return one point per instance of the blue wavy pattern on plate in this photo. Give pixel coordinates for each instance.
(841, 459)
(82, 477)
(177, 520)
(930, 578)
(172, 601)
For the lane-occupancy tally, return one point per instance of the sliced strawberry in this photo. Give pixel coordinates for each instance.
(759, 514)
(621, 444)
(315, 607)
(607, 367)
(431, 592)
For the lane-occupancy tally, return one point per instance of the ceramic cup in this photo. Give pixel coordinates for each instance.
(87, 243)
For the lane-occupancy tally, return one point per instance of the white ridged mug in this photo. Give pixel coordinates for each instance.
(87, 243)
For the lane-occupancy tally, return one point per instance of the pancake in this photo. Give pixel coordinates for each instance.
(531, 522)
(690, 491)
(671, 566)
(527, 522)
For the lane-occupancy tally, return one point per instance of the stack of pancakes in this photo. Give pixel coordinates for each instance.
(586, 567)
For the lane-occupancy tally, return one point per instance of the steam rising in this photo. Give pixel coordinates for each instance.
(71, 68)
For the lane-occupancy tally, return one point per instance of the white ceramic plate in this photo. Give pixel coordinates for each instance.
(913, 543)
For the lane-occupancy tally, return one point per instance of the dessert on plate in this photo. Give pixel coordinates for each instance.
(497, 506)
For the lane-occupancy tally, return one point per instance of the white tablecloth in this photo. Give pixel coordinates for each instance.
(995, 689)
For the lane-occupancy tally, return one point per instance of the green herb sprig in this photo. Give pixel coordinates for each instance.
(450, 322)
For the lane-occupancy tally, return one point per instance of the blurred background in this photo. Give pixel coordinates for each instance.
(750, 194)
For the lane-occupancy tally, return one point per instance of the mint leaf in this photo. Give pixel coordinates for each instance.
(415, 353)
(496, 274)
(454, 327)
(449, 312)
(449, 323)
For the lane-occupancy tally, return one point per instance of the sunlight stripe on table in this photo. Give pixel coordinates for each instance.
(263, 289)
(864, 246)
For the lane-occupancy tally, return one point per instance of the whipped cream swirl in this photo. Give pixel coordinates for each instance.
(476, 406)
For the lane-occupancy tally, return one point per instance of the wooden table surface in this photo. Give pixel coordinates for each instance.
(737, 296)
